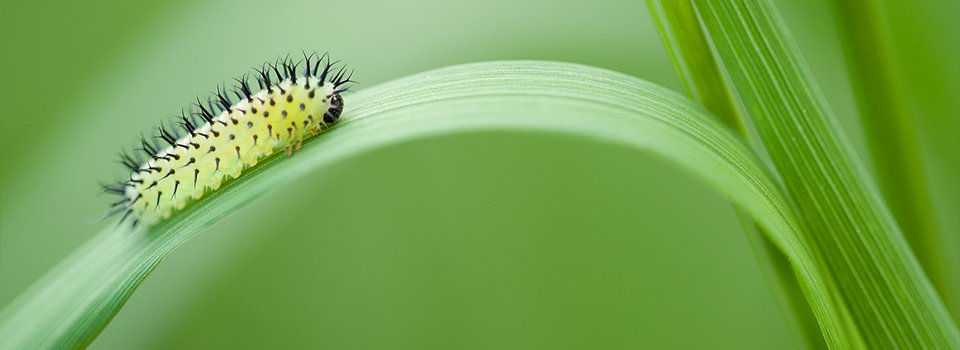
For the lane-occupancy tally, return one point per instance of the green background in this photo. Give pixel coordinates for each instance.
(482, 240)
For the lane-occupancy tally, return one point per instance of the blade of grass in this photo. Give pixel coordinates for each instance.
(73, 302)
(892, 141)
(891, 299)
(698, 69)
(703, 80)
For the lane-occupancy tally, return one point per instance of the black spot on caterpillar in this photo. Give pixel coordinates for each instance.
(220, 138)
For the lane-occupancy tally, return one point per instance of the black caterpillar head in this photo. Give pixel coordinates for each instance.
(336, 107)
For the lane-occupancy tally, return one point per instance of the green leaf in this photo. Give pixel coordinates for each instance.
(846, 224)
(73, 302)
(698, 69)
(703, 80)
(888, 124)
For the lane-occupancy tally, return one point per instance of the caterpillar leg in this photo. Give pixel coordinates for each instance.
(289, 151)
(299, 145)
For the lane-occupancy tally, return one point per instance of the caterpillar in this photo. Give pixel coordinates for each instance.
(216, 141)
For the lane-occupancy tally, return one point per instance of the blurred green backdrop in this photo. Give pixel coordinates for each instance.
(484, 240)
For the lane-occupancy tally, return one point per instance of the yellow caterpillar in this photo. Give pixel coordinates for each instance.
(226, 137)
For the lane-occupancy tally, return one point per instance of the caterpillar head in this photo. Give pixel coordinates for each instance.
(336, 107)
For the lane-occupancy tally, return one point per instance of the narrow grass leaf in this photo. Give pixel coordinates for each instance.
(852, 231)
(73, 302)
(699, 70)
(892, 140)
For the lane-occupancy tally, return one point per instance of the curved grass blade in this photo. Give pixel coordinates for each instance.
(699, 70)
(72, 303)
